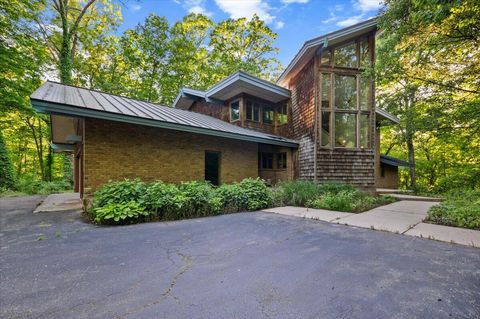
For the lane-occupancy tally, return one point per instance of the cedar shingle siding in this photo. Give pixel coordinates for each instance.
(303, 120)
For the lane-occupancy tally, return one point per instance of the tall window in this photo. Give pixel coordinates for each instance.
(346, 56)
(253, 111)
(281, 160)
(235, 110)
(267, 114)
(345, 110)
(282, 114)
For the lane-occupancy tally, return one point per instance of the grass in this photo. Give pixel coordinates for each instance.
(332, 196)
(461, 208)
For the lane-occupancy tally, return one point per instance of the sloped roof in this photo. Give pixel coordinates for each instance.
(393, 161)
(231, 86)
(57, 98)
(307, 51)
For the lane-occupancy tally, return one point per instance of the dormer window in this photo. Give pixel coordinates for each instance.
(235, 111)
(253, 111)
(267, 114)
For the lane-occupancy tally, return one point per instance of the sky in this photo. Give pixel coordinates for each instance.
(295, 21)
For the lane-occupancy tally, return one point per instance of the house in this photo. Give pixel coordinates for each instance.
(318, 122)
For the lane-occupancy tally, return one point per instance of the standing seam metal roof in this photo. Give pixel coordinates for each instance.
(84, 99)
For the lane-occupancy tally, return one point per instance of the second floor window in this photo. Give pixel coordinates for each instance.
(267, 114)
(346, 105)
(282, 114)
(235, 111)
(253, 111)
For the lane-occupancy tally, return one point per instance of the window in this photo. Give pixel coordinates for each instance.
(346, 56)
(365, 93)
(345, 130)
(326, 58)
(364, 131)
(325, 129)
(235, 111)
(282, 115)
(326, 90)
(365, 56)
(345, 92)
(267, 114)
(266, 160)
(281, 160)
(253, 111)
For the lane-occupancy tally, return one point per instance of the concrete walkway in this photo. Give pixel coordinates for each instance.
(60, 203)
(402, 217)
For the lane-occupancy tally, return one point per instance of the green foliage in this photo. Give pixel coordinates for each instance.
(349, 201)
(7, 175)
(331, 195)
(120, 192)
(131, 201)
(29, 184)
(120, 213)
(427, 71)
(461, 208)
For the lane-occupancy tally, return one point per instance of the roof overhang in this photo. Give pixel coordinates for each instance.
(73, 111)
(241, 82)
(234, 85)
(186, 97)
(310, 47)
(393, 161)
(385, 118)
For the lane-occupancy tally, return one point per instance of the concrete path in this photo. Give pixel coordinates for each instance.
(318, 214)
(60, 203)
(454, 235)
(402, 217)
(413, 197)
(397, 217)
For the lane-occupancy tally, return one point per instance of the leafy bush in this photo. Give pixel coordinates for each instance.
(257, 194)
(130, 201)
(31, 185)
(330, 195)
(120, 213)
(461, 208)
(295, 193)
(120, 192)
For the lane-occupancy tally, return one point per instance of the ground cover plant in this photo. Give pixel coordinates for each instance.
(132, 201)
(461, 208)
(331, 195)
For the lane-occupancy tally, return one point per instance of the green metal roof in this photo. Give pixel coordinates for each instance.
(61, 99)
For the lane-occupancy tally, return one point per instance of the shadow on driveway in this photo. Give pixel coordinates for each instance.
(246, 265)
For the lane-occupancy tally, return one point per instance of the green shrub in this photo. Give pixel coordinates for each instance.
(163, 199)
(197, 199)
(31, 185)
(295, 193)
(328, 195)
(120, 192)
(120, 213)
(461, 208)
(258, 195)
(129, 201)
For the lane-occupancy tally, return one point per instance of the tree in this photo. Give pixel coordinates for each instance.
(76, 22)
(428, 74)
(7, 176)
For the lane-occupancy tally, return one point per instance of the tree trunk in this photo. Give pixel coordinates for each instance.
(65, 57)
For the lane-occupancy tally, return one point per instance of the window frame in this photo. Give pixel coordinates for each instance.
(333, 110)
(239, 110)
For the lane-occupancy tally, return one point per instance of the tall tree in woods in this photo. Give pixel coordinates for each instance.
(428, 71)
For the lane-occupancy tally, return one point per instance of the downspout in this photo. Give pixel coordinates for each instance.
(315, 114)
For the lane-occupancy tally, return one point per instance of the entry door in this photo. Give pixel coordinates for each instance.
(212, 167)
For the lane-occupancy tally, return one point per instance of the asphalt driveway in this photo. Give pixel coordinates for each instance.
(247, 265)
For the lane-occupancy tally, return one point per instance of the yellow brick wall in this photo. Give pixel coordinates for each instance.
(115, 150)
